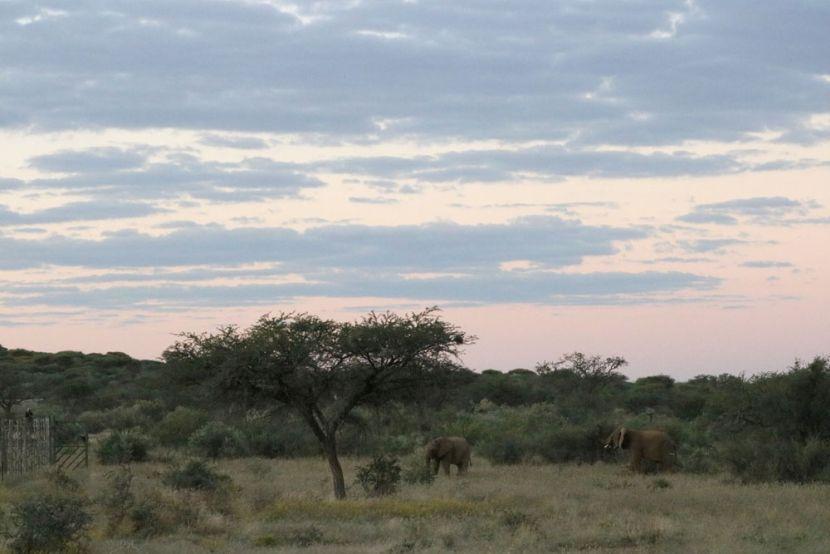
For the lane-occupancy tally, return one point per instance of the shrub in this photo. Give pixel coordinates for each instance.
(661, 483)
(380, 477)
(570, 443)
(503, 450)
(400, 444)
(218, 440)
(307, 536)
(304, 537)
(49, 523)
(146, 520)
(287, 438)
(177, 426)
(118, 498)
(123, 448)
(416, 471)
(141, 414)
(63, 482)
(513, 519)
(760, 459)
(195, 475)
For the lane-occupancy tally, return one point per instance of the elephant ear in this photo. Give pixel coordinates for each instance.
(623, 440)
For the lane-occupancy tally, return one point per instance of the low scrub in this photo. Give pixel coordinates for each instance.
(302, 537)
(49, 523)
(415, 470)
(178, 426)
(218, 440)
(195, 475)
(757, 460)
(511, 435)
(123, 448)
(381, 508)
(286, 438)
(380, 477)
(140, 415)
(118, 498)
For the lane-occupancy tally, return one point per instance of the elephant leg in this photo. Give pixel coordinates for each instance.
(446, 465)
(635, 461)
(433, 465)
(462, 467)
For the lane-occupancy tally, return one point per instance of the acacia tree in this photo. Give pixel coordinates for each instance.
(323, 369)
(592, 371)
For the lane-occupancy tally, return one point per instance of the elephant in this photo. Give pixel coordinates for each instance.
(652, 445)
(448, 451)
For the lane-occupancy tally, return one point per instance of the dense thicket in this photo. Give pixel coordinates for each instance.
(768, 427)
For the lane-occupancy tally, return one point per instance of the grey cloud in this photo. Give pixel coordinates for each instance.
(766, 264)
(708, 217)
(703, 246)
(89, 161)
(242, 143)
(78, 211)
(764, 205)
(527, 70)
(546, 161)
(105, 172)
(765, 210)
(371, 200)
(550, 241)
(498, 287)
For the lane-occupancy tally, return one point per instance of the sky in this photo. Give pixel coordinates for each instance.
(642, 178)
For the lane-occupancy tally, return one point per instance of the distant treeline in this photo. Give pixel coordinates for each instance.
(768, 427)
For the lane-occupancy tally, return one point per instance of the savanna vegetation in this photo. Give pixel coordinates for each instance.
(304, 433)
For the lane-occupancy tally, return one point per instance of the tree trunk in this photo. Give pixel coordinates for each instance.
(330, 448)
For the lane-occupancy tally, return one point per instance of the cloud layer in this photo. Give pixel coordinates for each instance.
(644, 72)
(168, 155)
(545, 240)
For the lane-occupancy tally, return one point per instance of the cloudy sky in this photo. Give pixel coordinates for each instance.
(645, 178)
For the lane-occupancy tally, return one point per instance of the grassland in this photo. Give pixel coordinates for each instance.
(286, 506)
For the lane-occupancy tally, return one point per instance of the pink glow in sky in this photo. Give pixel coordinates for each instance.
(647, 180)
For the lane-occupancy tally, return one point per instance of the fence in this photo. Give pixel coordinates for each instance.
(30, 443)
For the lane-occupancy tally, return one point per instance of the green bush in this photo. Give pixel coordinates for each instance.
(416, 471)
(761, 459)
(304, 537)
(287, 438)
(195, 475)
(571, 443)
(117, 498)
(503, 450)
(142, 414)
(146, 519)
(218, 440)
(62, 482)
(380, 477)
(513, 519)
(123, 448)
(178, 426)
(400, 444)
(49, 523)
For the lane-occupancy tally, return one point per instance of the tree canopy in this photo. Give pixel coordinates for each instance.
(323, 369)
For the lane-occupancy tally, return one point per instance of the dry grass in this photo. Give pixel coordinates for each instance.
(286, 506)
